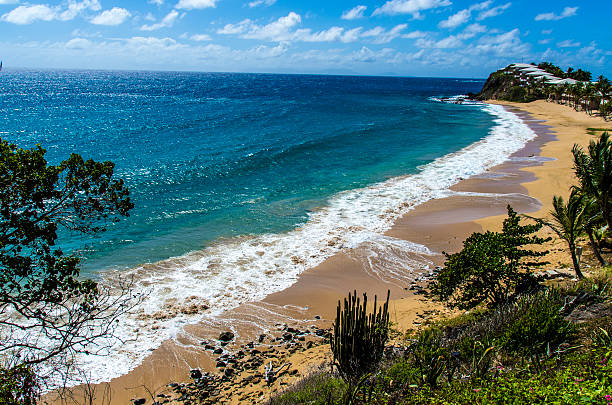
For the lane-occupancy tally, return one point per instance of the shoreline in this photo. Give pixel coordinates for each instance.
(526, 180)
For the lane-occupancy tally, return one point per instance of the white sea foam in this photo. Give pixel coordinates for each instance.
(249, 268)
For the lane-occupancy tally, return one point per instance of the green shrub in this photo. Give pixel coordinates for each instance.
(492, 267)
(429, 356)
(537, 326)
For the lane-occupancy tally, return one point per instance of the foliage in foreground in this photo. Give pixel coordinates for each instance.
(492, 267)
(47, 312)
(519, 353)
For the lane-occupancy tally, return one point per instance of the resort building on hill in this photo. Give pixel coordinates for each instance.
(526, 71)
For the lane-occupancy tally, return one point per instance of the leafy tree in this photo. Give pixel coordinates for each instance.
(46, 310)
(580, 75)
(594, 173)
(492, 267)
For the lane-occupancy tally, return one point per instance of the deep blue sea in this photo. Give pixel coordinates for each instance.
(243, 181)
(209, 156)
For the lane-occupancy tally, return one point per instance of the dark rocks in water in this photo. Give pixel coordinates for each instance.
(195, 374)
(317, 317)
(226, 336)
(287, 336)
(229, 372)
(221, 364)
(218, 351)
(209, 347)
(293, 330)
(140, 401)
(261, 338)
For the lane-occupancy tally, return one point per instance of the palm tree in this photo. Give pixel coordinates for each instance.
(593, 221)
(567, 222)
(594, 173)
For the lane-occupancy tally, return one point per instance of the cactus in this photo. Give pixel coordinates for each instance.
(359, 338)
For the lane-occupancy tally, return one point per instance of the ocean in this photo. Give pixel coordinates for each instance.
(243, 181)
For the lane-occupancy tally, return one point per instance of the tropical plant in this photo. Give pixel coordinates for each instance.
(359, 338)
(492, 267)
(594, 173)
(568, 223)
(429, 356)
(46, 310)
(592, 224)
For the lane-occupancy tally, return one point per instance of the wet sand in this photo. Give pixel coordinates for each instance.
(527, 181)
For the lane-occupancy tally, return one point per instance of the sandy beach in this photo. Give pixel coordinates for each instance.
(527, 181)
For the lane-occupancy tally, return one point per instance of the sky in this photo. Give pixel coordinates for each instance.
(428, 38)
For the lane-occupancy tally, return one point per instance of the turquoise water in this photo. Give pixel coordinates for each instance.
(210, 156)
(243, 181)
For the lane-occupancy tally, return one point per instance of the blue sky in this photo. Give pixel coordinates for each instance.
(449, 38)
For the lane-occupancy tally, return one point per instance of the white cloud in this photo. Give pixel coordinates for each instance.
(414, 7)
(382, 36)
(157, 2)
(354, 13)
(78, 43)
(544, 41)
(23, 15)
(195, 4)
(463, 16)
(475, 29)
(266, 52)
(200, 37)
(456, 20)
(567, 12)
(493, 12)
(414, 35)
(286, 29)
(168, 21)
(547, 32)
(568, 44)
(257, 3)
(279, 30)
(367, 55)
(114, 16)
(233, 29)
(9, 1)
(75, 8)
(504, 45)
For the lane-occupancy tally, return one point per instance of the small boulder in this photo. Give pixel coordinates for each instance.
(226, 336)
